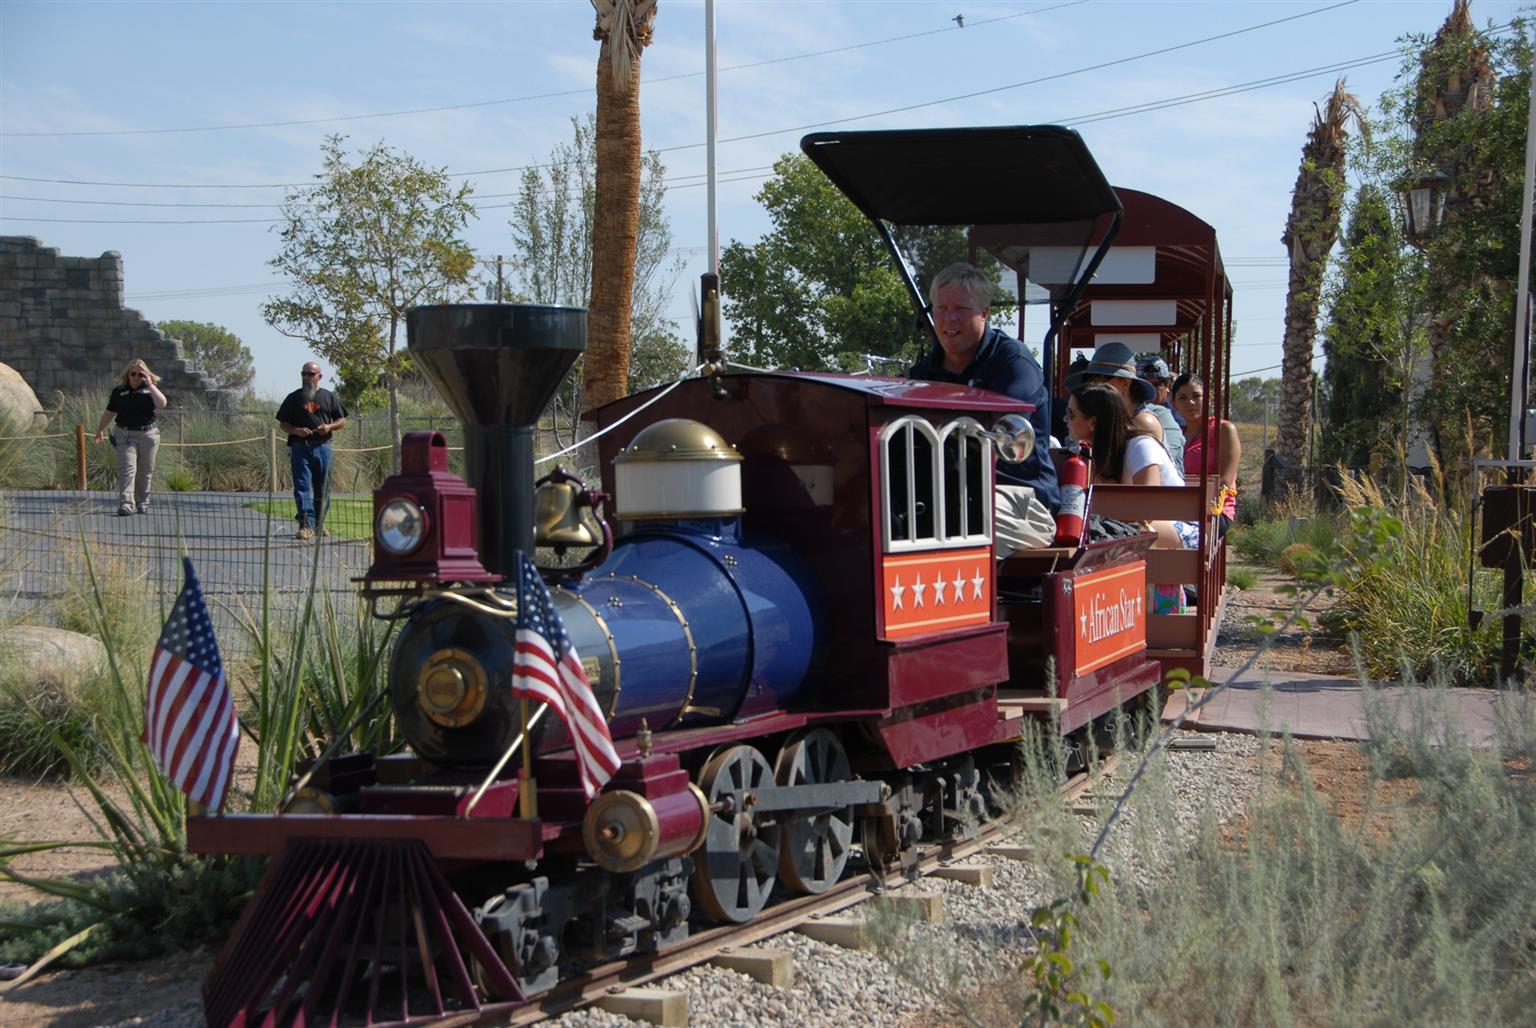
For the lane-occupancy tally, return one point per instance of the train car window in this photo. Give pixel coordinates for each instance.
(967, 469)
(911, 484)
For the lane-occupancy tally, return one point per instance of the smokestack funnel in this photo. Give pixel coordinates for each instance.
(497, 366)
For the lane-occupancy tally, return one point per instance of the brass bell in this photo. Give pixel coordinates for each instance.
(557, 517)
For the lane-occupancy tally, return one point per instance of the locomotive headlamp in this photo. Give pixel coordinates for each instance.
(401, 526)
(1014, 438)
(425, 519)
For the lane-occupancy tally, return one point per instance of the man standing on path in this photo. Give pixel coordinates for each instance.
(310, 415)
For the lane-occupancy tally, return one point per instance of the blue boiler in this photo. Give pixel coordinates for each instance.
(694, 622)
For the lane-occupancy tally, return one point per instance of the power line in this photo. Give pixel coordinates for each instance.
(533, 96)
(821, 124)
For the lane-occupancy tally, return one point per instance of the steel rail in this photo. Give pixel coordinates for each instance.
(591, 986)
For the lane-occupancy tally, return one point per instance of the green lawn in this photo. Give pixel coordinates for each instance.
(349, 517)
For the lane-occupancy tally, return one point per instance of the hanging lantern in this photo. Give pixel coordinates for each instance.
(1424, 205)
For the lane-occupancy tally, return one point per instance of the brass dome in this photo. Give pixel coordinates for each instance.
(678, 439)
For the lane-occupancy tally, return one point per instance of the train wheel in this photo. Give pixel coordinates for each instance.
(735, 869)
(813, 851)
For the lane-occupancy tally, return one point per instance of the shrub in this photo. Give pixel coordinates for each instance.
(1242, 578)
(1410, 609)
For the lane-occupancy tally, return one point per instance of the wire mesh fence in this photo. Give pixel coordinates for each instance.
(222, 494)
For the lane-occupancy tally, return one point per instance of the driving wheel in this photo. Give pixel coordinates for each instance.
(734, 871)
(813, 850)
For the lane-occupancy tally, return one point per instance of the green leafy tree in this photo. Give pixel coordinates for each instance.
(553, 223)
(1251, 395)
(1462, 112)
(1372, 338)
(819, 289)
(217, 352)
(361, 247)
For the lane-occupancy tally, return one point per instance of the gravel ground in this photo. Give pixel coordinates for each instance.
(982, 927)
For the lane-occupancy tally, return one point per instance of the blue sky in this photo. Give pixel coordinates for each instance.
(84, 87)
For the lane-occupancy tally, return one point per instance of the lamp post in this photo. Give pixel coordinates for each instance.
(1424, 205)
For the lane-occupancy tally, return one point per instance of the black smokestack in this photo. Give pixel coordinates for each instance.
(498, 365)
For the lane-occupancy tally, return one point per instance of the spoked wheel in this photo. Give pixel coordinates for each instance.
(813, 851)
(735, 869)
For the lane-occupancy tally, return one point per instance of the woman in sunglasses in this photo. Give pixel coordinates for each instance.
(134, 403)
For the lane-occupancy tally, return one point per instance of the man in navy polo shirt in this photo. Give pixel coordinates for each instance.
(310, 415)
(969, 352)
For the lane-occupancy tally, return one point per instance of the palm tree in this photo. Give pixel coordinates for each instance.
(1310, 233)
(624, 29)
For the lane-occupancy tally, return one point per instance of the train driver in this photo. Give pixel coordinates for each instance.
(970, 352)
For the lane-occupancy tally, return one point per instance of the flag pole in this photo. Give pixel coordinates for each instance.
(527, 797)
(511, 752)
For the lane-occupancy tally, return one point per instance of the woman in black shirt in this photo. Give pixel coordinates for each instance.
(134, 402)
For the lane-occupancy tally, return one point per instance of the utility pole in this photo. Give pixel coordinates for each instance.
(499, 263)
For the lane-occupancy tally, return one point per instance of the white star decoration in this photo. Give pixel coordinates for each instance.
(939, 585)
(918, 589)
(1082, 620)
(976, 584)
(897, 590)
(959, 584)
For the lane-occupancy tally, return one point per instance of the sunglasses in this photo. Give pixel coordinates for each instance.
(135, 374)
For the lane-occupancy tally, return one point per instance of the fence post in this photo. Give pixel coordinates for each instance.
(181, 439)
(80, 452)
(272, 461)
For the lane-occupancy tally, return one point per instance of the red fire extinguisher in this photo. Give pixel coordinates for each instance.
(1073, 480)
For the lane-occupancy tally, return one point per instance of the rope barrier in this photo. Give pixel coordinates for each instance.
(216, 442)
(50, 435)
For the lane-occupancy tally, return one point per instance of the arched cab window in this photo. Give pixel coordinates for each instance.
(937, 485)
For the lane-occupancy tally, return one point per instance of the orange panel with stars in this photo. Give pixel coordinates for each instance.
(1109, 615)
(934, 592)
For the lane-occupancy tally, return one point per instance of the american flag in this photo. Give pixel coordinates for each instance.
(189, 722)
(548, 670)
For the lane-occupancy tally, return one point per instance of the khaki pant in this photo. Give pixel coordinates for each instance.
(135, 464)
(1019, 521)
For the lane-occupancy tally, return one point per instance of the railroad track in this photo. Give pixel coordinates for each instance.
(702, 947)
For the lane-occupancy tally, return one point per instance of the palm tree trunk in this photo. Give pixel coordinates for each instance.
(605, 371)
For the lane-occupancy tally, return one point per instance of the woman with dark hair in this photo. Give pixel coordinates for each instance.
(1204, 433)
(1123, 455)
(133, 405)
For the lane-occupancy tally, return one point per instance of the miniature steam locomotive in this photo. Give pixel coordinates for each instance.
(800, 637)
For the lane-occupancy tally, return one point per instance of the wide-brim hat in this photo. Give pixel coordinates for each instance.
(1114, 360)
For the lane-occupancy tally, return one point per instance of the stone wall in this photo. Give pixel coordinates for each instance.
(63, 326)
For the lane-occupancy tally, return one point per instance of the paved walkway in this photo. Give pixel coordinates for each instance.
(1330, 707)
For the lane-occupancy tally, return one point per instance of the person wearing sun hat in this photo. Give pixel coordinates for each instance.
(1114, 365)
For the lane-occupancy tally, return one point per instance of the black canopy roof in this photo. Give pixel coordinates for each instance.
(1018, 174)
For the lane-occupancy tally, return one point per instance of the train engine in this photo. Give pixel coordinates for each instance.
(791, 621)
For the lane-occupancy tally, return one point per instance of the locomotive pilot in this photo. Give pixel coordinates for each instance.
(970, 352)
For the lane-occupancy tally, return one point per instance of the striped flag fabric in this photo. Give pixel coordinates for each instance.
(547, 669)
(189, 719)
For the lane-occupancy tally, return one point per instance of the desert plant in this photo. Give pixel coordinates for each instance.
(1242, 578)
(1408, 607)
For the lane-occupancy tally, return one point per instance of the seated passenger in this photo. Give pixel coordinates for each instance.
(1114, 365)
(1154, 370)
(1124, 455)
(1188, 400)
(967, 351)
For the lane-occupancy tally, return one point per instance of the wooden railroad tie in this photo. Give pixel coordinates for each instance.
(927, 907)
(847, 932)
(774, 967)
(982, 875)
(665, 1007)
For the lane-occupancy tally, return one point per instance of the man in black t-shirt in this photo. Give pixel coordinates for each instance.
(310, 416)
